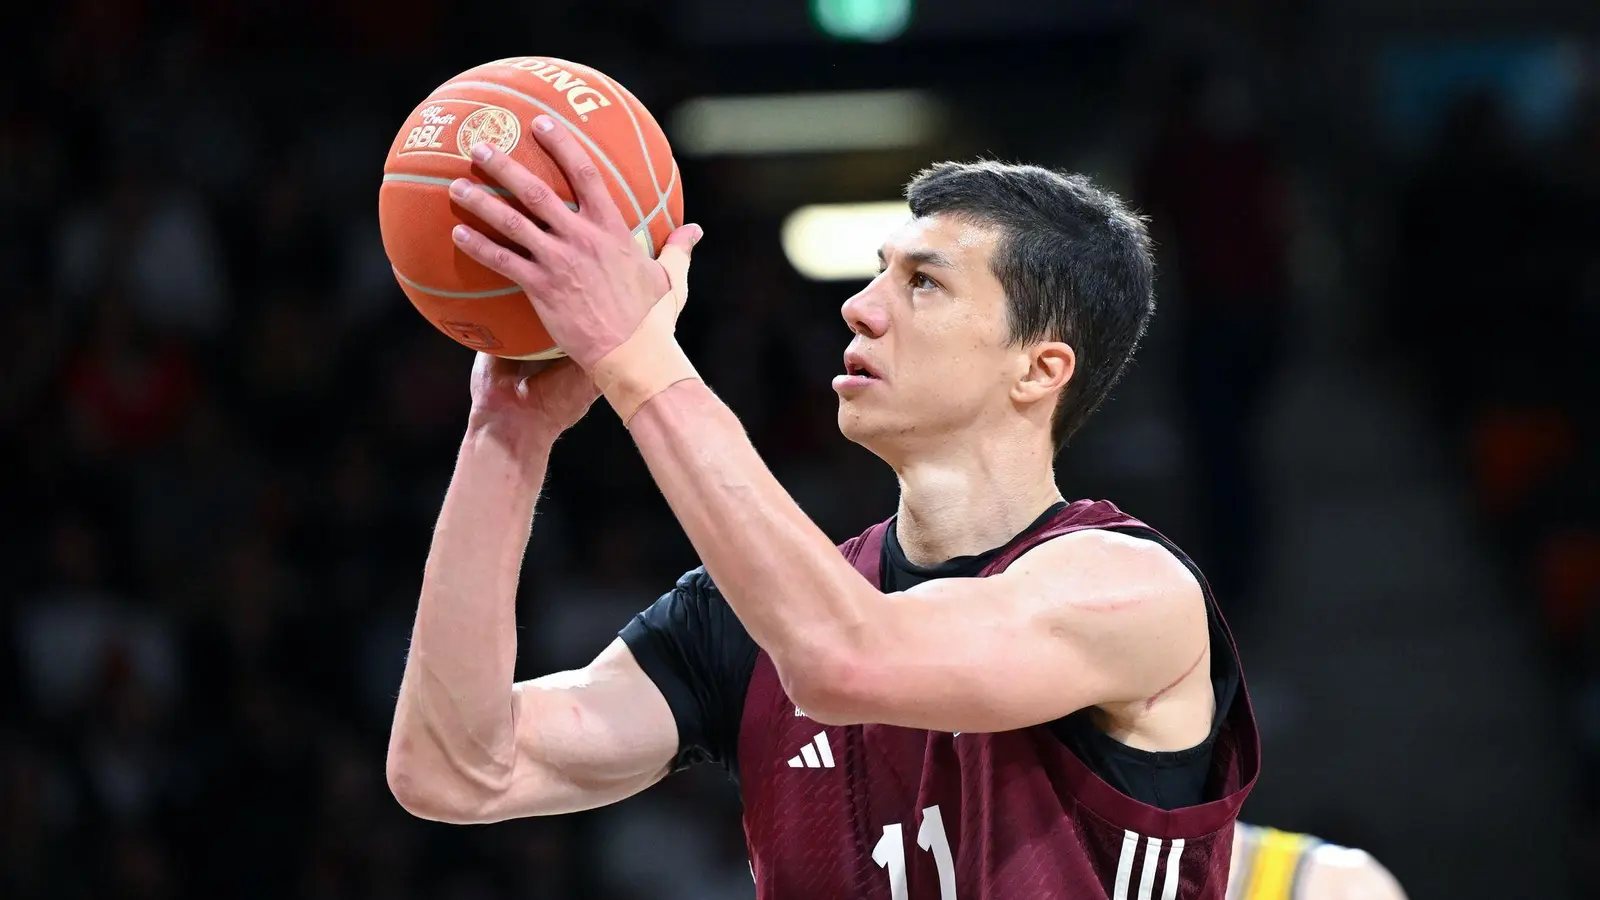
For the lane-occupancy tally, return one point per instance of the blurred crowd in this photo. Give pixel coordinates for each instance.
(226, 436)
(1492, 308)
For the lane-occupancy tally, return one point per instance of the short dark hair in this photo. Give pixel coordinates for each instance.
(1075, 264)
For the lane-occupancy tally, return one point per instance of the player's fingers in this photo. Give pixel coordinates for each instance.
(495, 257)
(498, 214)
(529, 189)
(568, 379)
(588, 186)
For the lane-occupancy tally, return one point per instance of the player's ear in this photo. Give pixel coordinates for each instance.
(1050, 366)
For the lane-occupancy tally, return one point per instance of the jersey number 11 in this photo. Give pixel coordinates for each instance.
(891, 854)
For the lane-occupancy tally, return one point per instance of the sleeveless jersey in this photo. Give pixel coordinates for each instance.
(879, 812)
(1271, 863)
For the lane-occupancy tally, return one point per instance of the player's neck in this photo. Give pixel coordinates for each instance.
(972, 498)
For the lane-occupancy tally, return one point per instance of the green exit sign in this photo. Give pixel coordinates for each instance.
(862, 20)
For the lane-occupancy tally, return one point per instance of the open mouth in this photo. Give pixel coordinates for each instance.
(856, 367)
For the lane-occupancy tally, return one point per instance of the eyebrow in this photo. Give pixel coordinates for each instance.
(934, 258)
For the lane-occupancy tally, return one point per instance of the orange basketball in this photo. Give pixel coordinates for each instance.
(496, 103)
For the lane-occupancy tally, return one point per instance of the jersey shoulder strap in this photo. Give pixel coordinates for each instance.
(865, 552)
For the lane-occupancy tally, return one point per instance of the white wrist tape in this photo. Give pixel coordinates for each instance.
(650, 360)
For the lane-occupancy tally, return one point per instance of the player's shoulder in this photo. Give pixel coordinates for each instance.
(696, 582)
(1101, 554)
(1346, 873)
(691, 606)
(1120, 603)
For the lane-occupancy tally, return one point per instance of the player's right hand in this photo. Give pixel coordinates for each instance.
(547, 395)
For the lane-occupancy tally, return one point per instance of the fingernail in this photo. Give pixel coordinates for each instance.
(460, 188)
(543, 123)
(695, 234)
(460, 234)
(481, 152)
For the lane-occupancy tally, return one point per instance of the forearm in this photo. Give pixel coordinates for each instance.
(784, 578)
(454, 715)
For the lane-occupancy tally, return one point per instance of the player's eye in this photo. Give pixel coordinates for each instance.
(921, 282)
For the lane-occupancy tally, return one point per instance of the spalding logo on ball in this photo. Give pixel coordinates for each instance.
(495, 103)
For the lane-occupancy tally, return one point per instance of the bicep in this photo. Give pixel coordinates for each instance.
(587, 737)
(944, 662)
(1081, 620)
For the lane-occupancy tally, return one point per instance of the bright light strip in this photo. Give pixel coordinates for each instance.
(804, 123)
(839, 241)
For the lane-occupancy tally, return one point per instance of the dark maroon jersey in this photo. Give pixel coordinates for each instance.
(879, 812)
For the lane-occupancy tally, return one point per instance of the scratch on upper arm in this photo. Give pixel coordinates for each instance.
(1133, 607)
(1084, 619)
(1151, 701)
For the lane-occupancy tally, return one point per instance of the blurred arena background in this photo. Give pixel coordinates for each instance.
(1370, 405)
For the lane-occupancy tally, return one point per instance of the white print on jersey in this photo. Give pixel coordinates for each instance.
(1146, 882)
(816, 754)
(891, 854)
(800, 714)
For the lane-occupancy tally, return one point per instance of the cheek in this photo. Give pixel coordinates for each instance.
(961, 374)
(953, 359)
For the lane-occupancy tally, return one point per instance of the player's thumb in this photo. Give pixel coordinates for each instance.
(674, 258)
(685, 237)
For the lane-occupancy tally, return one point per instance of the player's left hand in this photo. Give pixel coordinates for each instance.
(589, 281)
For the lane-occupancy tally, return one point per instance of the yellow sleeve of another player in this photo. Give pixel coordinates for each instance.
(1275, 862)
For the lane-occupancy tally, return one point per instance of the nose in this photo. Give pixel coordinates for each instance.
(865, 313)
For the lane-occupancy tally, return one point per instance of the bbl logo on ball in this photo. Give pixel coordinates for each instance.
(472, 122)
(424, 138)
(491, 125)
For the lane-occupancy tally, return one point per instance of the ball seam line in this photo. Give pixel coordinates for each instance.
(408, 178)
(457, 295)
(649, 161)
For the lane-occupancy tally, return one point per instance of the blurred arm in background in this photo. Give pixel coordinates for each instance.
(1343, 873)
(1269, 864)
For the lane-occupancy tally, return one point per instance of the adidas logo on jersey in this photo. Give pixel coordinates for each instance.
(1145, 881)
(816, 754)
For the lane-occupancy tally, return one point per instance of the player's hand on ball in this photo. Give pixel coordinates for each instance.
(590, 283)
(548, 395)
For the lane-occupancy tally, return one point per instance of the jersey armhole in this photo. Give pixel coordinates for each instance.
(1101, 753)
(656, 659)
(1225, 684)
(698, 654)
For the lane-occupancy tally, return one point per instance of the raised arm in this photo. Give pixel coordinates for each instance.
(466, 744)
(1083, 620)
(844, 650)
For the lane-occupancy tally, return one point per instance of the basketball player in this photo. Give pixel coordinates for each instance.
(1269, 864)
(994, 694)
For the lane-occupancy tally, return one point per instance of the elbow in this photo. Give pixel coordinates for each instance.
(418, 792)
(831, 688)
(426, 792)
(412, 792)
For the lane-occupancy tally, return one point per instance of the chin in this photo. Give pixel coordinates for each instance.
(868, 429)
(855, 423)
